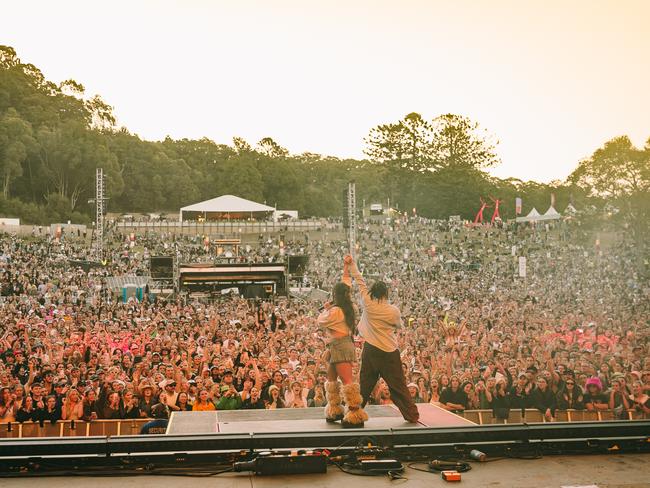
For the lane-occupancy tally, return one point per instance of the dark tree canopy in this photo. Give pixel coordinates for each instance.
(53, 137)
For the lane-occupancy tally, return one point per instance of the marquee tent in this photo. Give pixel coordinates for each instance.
(226, 207)
(535, 216)
(532, 216)
(551, 214)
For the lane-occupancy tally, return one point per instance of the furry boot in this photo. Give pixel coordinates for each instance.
(355, 416)
(333, 410)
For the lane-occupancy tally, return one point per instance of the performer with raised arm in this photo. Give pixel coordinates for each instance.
(381, 356)
(338, 318)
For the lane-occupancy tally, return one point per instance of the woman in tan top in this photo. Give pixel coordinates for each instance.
(338, 319)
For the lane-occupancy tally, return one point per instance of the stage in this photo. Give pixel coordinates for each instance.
(289, 420)
(603, 471)
(211, 443)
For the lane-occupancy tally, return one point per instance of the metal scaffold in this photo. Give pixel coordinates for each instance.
(100, 203)
(352, 218)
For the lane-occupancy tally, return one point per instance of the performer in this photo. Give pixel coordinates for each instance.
(381, 356)
(339, 320)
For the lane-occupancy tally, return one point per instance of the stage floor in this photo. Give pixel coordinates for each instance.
(302, 420)
(602, 471)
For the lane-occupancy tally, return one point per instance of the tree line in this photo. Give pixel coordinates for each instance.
(53, 137)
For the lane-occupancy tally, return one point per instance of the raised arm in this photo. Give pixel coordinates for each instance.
(358, 279)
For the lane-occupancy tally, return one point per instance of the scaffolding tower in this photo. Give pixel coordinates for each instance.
(352, 218)
(100, 202)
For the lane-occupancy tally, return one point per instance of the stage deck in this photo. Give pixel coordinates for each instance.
(302, 420)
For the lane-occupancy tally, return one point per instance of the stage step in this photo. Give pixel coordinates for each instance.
(302, 420)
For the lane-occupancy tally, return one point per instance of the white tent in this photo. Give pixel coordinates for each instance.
(533, 216)
(551, 214)
(226, 207)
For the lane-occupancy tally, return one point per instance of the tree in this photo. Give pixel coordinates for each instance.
(615, 170)
(459, 142)
(15, 142)
(271, 149)
(69, 156)
(402, 145)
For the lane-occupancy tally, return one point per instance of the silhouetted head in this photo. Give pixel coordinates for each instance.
(379, 291)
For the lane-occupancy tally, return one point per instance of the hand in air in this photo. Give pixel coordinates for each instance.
(348, 259)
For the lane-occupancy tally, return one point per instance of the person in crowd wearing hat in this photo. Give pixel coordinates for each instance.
(594, 398)
(229, 399)
(275, 400)
(171, 389)
(381, 356)
(414, 391)
(338, 319)
(146, 399)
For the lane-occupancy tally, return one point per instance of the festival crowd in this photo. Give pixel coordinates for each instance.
(574, 333)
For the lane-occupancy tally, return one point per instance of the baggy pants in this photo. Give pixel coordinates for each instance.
(388, 365)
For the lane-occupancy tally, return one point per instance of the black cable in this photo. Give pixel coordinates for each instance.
(438, 465)
(427, 470)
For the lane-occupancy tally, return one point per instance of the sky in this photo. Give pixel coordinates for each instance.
(551, 80)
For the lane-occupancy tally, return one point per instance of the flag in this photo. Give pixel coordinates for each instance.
(517, 205)
(553, 200)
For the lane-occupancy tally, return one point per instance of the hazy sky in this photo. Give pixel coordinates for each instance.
(552, 80)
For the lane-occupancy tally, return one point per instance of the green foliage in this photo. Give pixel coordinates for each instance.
(617, 169)
(53, 137)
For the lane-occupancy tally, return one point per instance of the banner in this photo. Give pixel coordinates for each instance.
(522, 266)
(553, 200)
(517, 205)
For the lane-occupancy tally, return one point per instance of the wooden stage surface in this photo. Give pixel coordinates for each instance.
(302, 420)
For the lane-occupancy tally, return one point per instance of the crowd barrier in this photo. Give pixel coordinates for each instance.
(486, 417)
(65, 428)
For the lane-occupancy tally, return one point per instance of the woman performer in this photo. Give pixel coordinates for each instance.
(338, 318)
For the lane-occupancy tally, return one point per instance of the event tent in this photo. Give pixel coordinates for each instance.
(535, 216)
(551, 214)
(532, 216)
(226, 207)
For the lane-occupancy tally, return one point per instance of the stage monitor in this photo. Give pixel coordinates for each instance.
(162, 267)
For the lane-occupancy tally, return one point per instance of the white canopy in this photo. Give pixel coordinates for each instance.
(532, 216)
(551, 214)
(226, 206)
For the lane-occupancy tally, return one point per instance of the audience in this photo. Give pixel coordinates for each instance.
(572, 334)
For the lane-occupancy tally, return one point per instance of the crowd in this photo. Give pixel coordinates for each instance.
(573, 334)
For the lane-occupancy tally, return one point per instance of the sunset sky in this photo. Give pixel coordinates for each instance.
(552, 80)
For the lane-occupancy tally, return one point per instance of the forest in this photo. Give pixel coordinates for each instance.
(54, 136)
